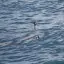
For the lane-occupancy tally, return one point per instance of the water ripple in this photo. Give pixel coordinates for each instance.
(20, 43)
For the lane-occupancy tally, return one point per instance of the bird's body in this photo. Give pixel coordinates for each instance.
(34, 23)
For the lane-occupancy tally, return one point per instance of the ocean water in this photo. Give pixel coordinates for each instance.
(19, 42)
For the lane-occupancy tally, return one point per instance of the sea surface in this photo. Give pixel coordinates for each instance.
(20, 43)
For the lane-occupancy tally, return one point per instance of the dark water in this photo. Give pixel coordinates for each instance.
(18, 43)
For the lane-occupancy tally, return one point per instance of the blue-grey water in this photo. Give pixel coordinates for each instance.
(18, 39)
